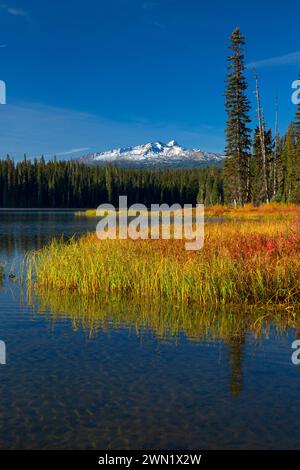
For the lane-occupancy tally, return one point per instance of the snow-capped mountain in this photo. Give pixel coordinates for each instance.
(155, 154)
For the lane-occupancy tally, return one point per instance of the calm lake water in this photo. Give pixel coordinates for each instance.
(119, 382)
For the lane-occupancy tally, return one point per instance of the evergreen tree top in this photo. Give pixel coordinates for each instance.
(236, 37)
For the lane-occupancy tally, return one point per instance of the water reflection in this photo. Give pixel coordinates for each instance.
(232, 326)
(236, 354)
(133, 373)
(23, 231)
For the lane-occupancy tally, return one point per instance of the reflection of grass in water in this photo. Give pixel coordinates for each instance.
(231, 325)
(242, 262)
(1, 274)
(164, 319)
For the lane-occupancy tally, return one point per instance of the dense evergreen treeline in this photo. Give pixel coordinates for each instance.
(59, 184)
(266, 167)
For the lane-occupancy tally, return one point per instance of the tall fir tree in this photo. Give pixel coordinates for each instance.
(297, 120)
(296, 164)
(238, 134)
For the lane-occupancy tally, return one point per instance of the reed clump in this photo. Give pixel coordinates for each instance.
(241, 262)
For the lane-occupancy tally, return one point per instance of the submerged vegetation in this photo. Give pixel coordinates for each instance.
(245, 262)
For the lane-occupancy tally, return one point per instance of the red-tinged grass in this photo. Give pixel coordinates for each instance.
(241, 262)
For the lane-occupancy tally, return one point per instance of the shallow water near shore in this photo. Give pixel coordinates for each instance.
(104, 376)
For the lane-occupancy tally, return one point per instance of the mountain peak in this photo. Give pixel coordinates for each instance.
(155, 154)
(172, 143)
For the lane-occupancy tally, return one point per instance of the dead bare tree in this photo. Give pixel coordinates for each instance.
(276, 147)
(261, 124)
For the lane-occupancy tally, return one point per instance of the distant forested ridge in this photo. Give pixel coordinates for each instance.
(69, 184)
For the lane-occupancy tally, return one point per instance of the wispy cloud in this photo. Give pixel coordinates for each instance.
(293, 58)
(68, 152)
(37, 129)
(3, 45)
(12, 10)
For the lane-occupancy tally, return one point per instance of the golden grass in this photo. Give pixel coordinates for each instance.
(242, 262)
(129, 212)
(273, 211)
(87, 213)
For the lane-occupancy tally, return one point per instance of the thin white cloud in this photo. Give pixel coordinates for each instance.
(293, 58)
(3, 45)
(37, 129)
(69, 152)
(12, 10)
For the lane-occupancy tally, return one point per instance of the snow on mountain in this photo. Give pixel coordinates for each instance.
(155, 154)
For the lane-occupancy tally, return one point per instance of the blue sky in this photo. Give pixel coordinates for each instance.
(97, 74)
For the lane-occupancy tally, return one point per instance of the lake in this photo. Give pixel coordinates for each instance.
(86, 376)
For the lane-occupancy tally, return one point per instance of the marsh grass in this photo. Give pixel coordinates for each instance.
(241, 262)
(273, 211)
